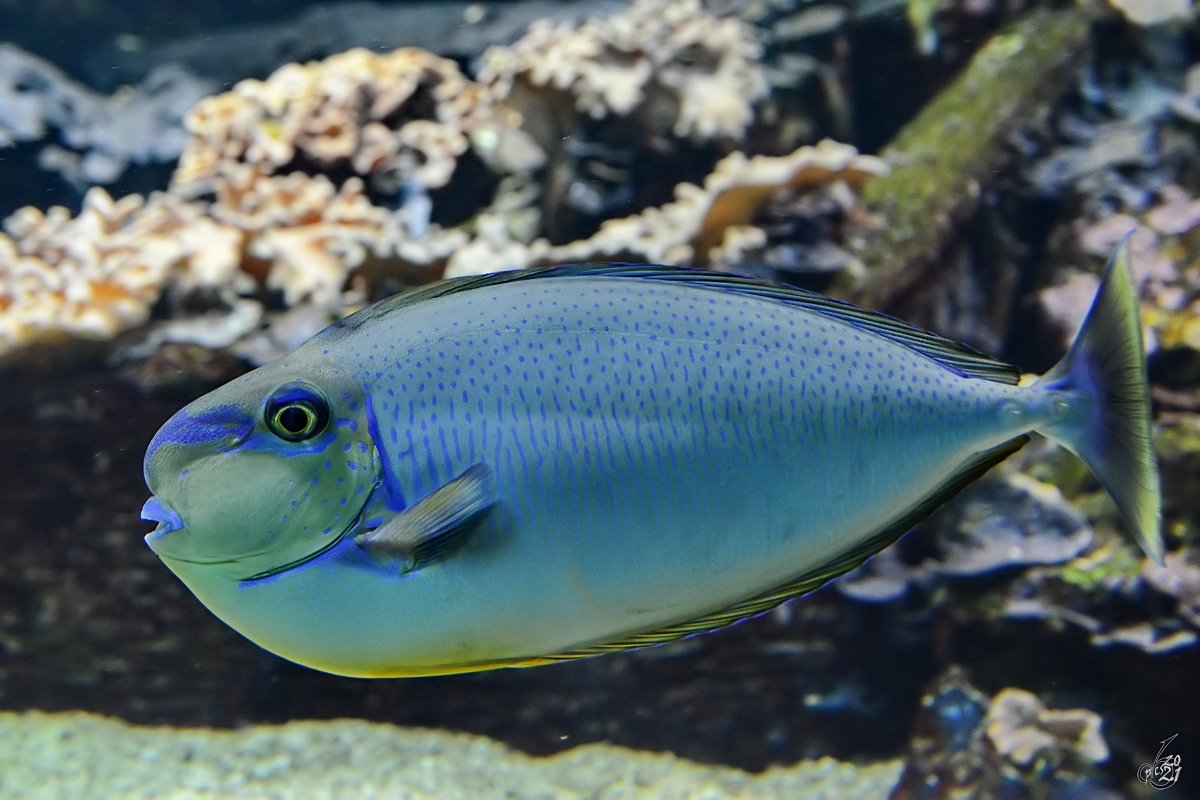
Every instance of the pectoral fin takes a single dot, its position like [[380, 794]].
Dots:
[[436, 524]]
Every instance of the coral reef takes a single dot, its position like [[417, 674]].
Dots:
[[98, 273], [334, 114], [72, 755], [103, 134], [291, 184]]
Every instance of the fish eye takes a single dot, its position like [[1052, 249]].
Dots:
[[296, 413]]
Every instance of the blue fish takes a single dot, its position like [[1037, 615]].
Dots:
[[522, 468]]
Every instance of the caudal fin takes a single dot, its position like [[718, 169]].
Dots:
[[1108, 426]]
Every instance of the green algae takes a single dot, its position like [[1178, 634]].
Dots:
[[1113, 564], [1177, 440], [1181, 439], [945, 156]]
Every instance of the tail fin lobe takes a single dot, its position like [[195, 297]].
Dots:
[[1104, 375]]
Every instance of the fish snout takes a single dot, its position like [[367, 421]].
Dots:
[[189, 433]]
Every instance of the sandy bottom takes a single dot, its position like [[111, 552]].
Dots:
[[81, 755]]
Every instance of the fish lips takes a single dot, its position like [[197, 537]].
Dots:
[[167, 518]]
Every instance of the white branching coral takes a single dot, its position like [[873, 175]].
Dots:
[[672, 52], [398, 118], [98, 273]]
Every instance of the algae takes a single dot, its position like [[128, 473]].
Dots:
[[1112, 564], [945, 156], [76, 755]]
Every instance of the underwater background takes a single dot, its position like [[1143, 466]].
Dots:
[[190, 190]]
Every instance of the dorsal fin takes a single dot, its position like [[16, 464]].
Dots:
[[954, 356]]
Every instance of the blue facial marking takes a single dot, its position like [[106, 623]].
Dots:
[[212, 425], [274, 444], [393, 495]]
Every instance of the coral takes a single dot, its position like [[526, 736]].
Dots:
[[697, 222], [352, 169], [1178, 577], [1104, 593], [104, 134], [98, 273], [684, 231], [965, 745], [695, 71], [59, 755], [400, 119], [1111, 591], [1024, 731], [1115, 144]]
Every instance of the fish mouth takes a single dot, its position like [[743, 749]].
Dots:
[[169, 521], [167, 518]]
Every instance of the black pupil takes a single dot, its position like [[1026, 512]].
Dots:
[[294, 419]]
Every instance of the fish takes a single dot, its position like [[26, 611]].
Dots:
[[529, 467]]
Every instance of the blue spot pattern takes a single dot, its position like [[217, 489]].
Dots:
[[605, 401]]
